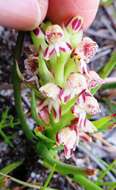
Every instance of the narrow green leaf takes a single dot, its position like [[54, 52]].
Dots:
[[66, 107], [34, 112], [105, 122], [69, 68], [49, 178], [23, 183], [109, 168], [44, 138], [9, 168], [86, 183], [109, 66], [106, 70], [44, 73]]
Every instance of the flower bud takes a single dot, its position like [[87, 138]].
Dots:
[[38, 38], [74, 24]]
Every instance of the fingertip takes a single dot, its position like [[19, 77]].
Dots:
[[22, 15], [59, 11]]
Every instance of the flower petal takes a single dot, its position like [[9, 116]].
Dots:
[[50, 90]]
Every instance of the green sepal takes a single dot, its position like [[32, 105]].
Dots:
[[34, 112], [44, 138], [45, 25], [69, 68], [59, 68], [67, 107], [76, 38], [20, 75], [38, 41], [44, 74]]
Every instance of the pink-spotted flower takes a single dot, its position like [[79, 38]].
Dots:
[[56, 42], [75, 84], [80, 61], [71, 135], [84, 129], [51, 93], [93, 79], [86, 104], [89, 48], [83, 54], [69, 138]]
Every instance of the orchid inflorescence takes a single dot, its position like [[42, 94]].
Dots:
[[58, 67]]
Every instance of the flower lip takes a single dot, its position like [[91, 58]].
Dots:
[[54, 33], [50, 90]]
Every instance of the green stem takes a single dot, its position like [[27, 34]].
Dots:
[[34, 112], [109, 66], [66, 169], [59, 68], [86, 183], [44, 73], [6, 139], [61, 167], [17, 88], [23, 183]]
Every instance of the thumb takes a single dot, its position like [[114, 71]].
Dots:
[[24, 14], [61, 10]]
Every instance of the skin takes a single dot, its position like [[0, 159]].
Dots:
[[27, 14]]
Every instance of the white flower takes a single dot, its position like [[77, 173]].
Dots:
[[88, 47], [50, 90], [86, 103], [68, 137], [93, 79], [76, 83], [83, 54], [56, 42]]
